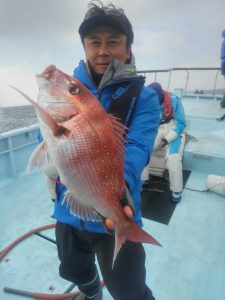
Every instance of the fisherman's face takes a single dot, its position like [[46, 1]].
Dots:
[[104, 43]]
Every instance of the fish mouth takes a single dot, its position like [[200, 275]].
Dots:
[[48, 76], [47, 72], [50, 96], [45, 97]]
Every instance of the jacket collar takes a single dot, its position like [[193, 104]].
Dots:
[[116, 71]]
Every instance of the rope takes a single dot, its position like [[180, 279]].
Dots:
[[31, 294]]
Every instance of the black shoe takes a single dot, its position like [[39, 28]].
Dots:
[[81, 296]]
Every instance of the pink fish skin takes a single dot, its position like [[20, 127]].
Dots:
[[86, 145]]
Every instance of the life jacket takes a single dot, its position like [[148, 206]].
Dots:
[[124, 100], [168, 111]]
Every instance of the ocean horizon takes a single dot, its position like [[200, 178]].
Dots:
[[14, 117]]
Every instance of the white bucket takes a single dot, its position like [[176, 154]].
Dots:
[[216, 184]]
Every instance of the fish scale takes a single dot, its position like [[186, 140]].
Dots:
[[89, 173]]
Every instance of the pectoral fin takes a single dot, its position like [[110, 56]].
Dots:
[[39, 157], [80, 211]]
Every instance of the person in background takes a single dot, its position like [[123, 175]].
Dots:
[[109, 73], [222, 57], [172, 125]]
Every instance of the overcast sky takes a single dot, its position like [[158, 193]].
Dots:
[[168, 33]]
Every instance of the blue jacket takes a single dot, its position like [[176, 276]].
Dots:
[[223, 55], [174, 136], [138, 149], [178, 114]]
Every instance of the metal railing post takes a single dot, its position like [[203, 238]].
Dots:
[[11, 157], [187, 79], [214, 88], [170, 70]]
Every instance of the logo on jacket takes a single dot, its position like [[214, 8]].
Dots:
[[119, 92]]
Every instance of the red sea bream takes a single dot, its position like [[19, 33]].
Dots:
[[86, 146]]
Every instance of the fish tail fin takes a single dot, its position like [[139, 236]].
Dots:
[[136, 234], [120, 239], [133, 233]]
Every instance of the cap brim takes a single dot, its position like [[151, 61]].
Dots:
[[110, 20]]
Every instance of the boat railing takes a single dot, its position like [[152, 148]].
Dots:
[[170, 71], [15, 148], [16, 145]]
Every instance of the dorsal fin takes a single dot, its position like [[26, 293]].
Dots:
[[120, 131]]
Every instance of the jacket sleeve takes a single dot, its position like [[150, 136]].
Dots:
[[179, 116], [141, 136]]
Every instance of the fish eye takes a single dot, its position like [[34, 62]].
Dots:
[[73, 89]]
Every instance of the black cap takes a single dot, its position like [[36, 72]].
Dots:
[[108, 15]]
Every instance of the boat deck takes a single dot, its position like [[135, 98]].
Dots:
[[189, 266]]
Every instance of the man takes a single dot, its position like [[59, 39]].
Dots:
[[222, 57], [172, 125], [110, 74]]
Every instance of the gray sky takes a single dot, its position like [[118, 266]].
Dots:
[[168, 33]]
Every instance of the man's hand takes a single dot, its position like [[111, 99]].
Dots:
[[128, 207], [164, 142], [161, 144], [127, 211]]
